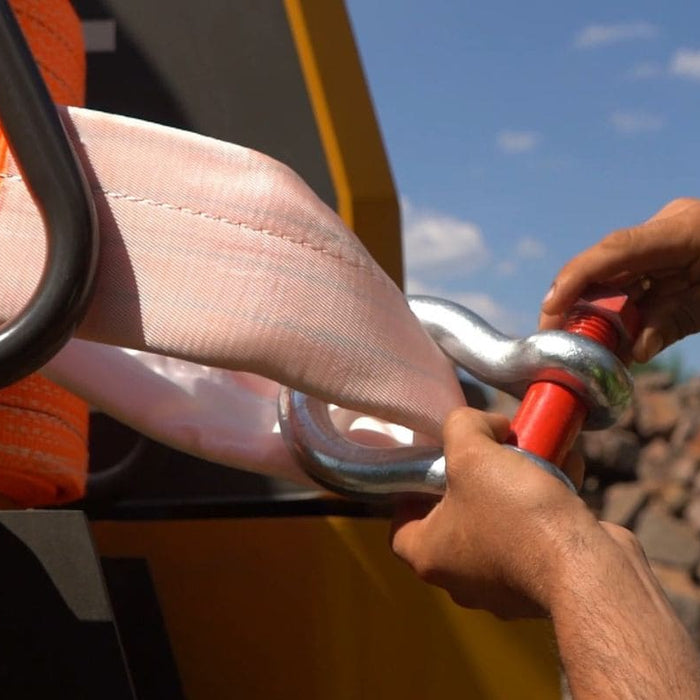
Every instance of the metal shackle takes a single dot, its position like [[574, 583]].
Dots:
[[368, 473], [511, 365]]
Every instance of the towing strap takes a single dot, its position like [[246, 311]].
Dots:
[[219, 255]]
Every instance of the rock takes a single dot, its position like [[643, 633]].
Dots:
[[689, 394], [627, 420], [684, 468], [623, 502], [657, 414], [674, 497], [692, 443], [685, 430], [683, 595], [652, 381], [667, 539], [691, 513], [613, 450], [654, 461]]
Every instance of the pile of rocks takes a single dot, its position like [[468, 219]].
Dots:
[[644, 474]]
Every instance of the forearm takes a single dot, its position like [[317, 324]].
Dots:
[[618, 637]]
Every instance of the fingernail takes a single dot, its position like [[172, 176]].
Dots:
[[549, 294], [650, 343]]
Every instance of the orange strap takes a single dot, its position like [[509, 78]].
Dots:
[[43, 428]]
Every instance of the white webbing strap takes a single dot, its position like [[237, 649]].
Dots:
[[219, 255]]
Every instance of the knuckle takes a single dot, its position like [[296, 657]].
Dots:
[[399, 546], [459, 423], [418, 558], [456, 419], [621, 238]]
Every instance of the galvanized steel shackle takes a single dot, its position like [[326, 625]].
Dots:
[[340, 465], [348, 468], [512, 364]]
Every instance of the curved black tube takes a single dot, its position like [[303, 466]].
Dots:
[[58, 186]]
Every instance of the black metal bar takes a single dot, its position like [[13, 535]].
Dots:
[[58, 186]]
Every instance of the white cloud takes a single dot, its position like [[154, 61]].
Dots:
[[506, 268], [530, 248], [527, 248], [415, 286], [517, 141], [482, 304], [488, 308], [595, 35], [630, 123], [436, 242], [686, 63], [644, 70]]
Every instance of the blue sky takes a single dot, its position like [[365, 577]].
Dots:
[[519, 133]]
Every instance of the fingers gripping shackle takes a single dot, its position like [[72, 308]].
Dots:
[[579, 362]]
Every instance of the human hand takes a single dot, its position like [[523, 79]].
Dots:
[[499, 537], [509, 538], [657, 263]]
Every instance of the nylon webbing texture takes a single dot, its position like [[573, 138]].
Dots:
[[216, 254], [43, 428]]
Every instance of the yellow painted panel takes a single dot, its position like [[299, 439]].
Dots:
[[348, 127], [319, 609]]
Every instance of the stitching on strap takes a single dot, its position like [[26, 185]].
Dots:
[[224, 220], [231, 222]]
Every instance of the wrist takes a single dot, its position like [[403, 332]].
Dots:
[[574, 545], [591, 563]]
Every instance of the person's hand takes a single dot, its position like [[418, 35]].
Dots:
[[498, 537], [510, 538], [657, 262]]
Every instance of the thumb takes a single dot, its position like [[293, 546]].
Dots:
[[464, 422]]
